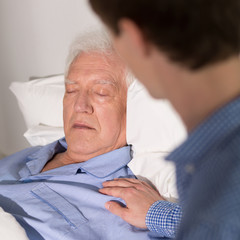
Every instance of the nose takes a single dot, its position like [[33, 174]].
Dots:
[[83, 104]]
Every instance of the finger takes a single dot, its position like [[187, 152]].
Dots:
[[132, 180], [113, 191], [134, 217], [124, 186], [129, 182], [116, 208], [121, 182]]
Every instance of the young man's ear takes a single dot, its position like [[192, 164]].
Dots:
[[133, 36]]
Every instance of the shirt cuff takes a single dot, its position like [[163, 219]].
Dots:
[[164, 217]]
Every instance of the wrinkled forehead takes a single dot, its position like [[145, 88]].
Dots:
[[108, 68]]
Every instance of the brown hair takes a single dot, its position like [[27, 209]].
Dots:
[[193, 33]]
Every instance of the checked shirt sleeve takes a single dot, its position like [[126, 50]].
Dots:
[[164, 217]]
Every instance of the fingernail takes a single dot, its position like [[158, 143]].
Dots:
[[107, 205]]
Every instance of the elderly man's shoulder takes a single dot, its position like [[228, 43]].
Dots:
[[13, 163]]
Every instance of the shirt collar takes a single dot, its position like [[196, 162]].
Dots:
[[108, 163], [36, 161], [208, 134], [100, 166]]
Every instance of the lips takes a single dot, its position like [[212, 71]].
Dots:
[[82, 126]]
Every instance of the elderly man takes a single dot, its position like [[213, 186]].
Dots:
[[53, 190]]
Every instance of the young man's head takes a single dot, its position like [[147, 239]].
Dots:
[[183, 50], [193, 33]]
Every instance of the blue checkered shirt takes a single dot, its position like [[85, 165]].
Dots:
[[164, 217], [208, 177]]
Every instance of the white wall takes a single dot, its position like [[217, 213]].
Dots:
[[35, 36]]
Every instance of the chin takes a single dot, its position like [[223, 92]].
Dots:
[[86, 148]]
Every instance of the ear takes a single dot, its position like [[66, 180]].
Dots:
[[134, 35]]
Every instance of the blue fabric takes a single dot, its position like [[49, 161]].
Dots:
[[64, 203], [164, 217], [208, 177]]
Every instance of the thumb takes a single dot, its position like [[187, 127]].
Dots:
[[116, 208]]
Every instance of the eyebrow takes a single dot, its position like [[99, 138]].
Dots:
[[100, 81], [103, 81], [67, 81]]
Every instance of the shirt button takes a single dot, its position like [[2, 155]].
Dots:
[[189, 168]]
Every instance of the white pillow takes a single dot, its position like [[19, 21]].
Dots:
[[40, 100], [41, 135], [9, 228], [153, 127]]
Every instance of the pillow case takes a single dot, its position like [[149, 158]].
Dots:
[[41, 135], [40, 100], [152, 125], [154, 129]]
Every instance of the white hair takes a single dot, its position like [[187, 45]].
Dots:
[[97, 41]]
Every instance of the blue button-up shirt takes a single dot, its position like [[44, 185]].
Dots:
[[208, 177], [64, 203]]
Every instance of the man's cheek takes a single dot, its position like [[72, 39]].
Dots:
[[66, 119]]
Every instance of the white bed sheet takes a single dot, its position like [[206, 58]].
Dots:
[[10, 229]]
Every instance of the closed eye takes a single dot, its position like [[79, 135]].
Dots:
[[101, 91], [102, 94], [70, 91]]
